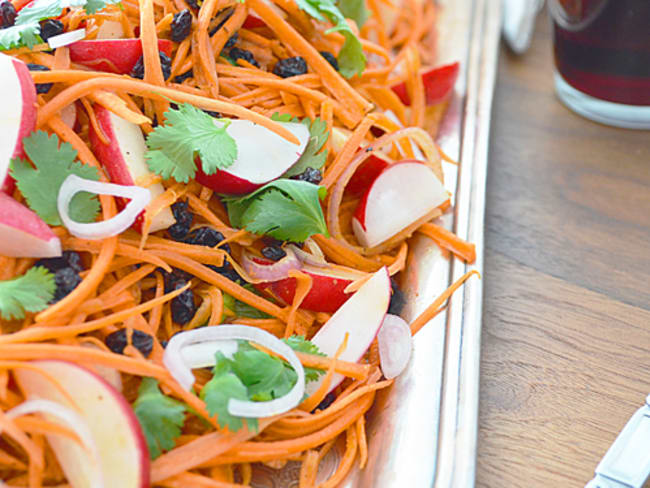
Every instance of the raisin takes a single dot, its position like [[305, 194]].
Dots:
[[331, 59], [310, 175], [206, 236], [66, 280], [232, 40], [164, 344], [51, 28], [176, 276], [289, 67], [327, 401], [181, 25], [7, 14], [40, 87], [184, 76], [117, 341], [274, 253], [193, 4], [397, 299], [184, 218], [165, 64], [69, 259], [227, 271], [219, 25], [216, 115], [237, 53], [183, 308]]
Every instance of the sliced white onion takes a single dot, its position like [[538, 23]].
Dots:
[[202, 354], [315, 256], [72, 420], [66, 38], [395, 345], [72, 185], [278, 270], [217, 335]]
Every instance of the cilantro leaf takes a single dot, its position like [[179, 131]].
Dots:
[[189, 132], [160, 417], [301, 344], [311, 156], [352, 60], [287, 210], [30, 292], [355, 10], [217, 392], [242, 309], [40, 185]]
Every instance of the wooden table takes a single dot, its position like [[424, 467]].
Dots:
[[566, 326]]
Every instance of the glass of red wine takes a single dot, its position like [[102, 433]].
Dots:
[[602, 59]]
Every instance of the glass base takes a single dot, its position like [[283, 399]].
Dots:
[[609, 113]]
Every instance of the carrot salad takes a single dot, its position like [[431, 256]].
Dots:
[[205, 210]]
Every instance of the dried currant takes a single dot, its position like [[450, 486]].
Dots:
[[331, 59], [69, 259], [397, 299], [51, 28], [227, 271], [7, 14], [310, 175], [232, 40], [118, 340], [289, 67], [238, 53], [274, 253], [182, 306], [40, 87], [181, 25], [206, 236], [184, 218], [184, 76], [165, 64], [66, 280]]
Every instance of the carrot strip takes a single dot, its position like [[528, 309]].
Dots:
[[450, 241]]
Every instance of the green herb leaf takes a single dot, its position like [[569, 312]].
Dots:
[[301, 344], [352, 60], [242, 309], [161, 417], [189, 132], [26, 29], [355, 10], [287, 210], [311, 157], [40, 186], [30, 292]]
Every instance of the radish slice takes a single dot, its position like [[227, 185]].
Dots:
[[72, 420], [66, 38], [395, 345], [221, 337], [273, 271], [72, 185]]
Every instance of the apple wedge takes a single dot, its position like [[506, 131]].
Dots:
[[110, 29], [361, 318], [123, 159], [123, 453], [402, 193], [24, 234], [112, 55], [262, 156], [438, 84], [18, 101], [327, 292]]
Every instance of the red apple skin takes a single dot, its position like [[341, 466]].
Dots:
[[366, 174], [224, 182], [28, 120], [134, 425], [112, 55], [438, 84]]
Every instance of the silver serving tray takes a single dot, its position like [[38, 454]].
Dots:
[[422, 431]]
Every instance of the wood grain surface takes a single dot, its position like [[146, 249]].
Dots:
[[566, 330]]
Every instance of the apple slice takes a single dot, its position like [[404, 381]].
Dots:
[[23, 233], [327, 292], [361, 318], [403, 193], [18, 102], [124, 457], [438, 84], [112, 55], [123, 159], [110, 29], [262, 156]]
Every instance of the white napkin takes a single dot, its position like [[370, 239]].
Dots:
[[519, 22]]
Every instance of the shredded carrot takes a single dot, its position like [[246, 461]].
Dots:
[[449, 241]]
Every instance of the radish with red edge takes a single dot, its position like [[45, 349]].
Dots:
[[366, 174], [402, 193], [395, 345], [438, 84], [328, 284], [123, 453], [360, 318], [18, 102], [262, 156], [123, 159], [112, 55], [23, 233]]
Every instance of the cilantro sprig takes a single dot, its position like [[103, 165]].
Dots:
[[288, 210], [26, 29], [189, 132], [160, 417], [30, 292], [251, 374], [352, 60], [52, 162], [355, 10], [312, 156]]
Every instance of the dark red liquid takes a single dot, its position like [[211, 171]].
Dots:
[[604, 51]]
